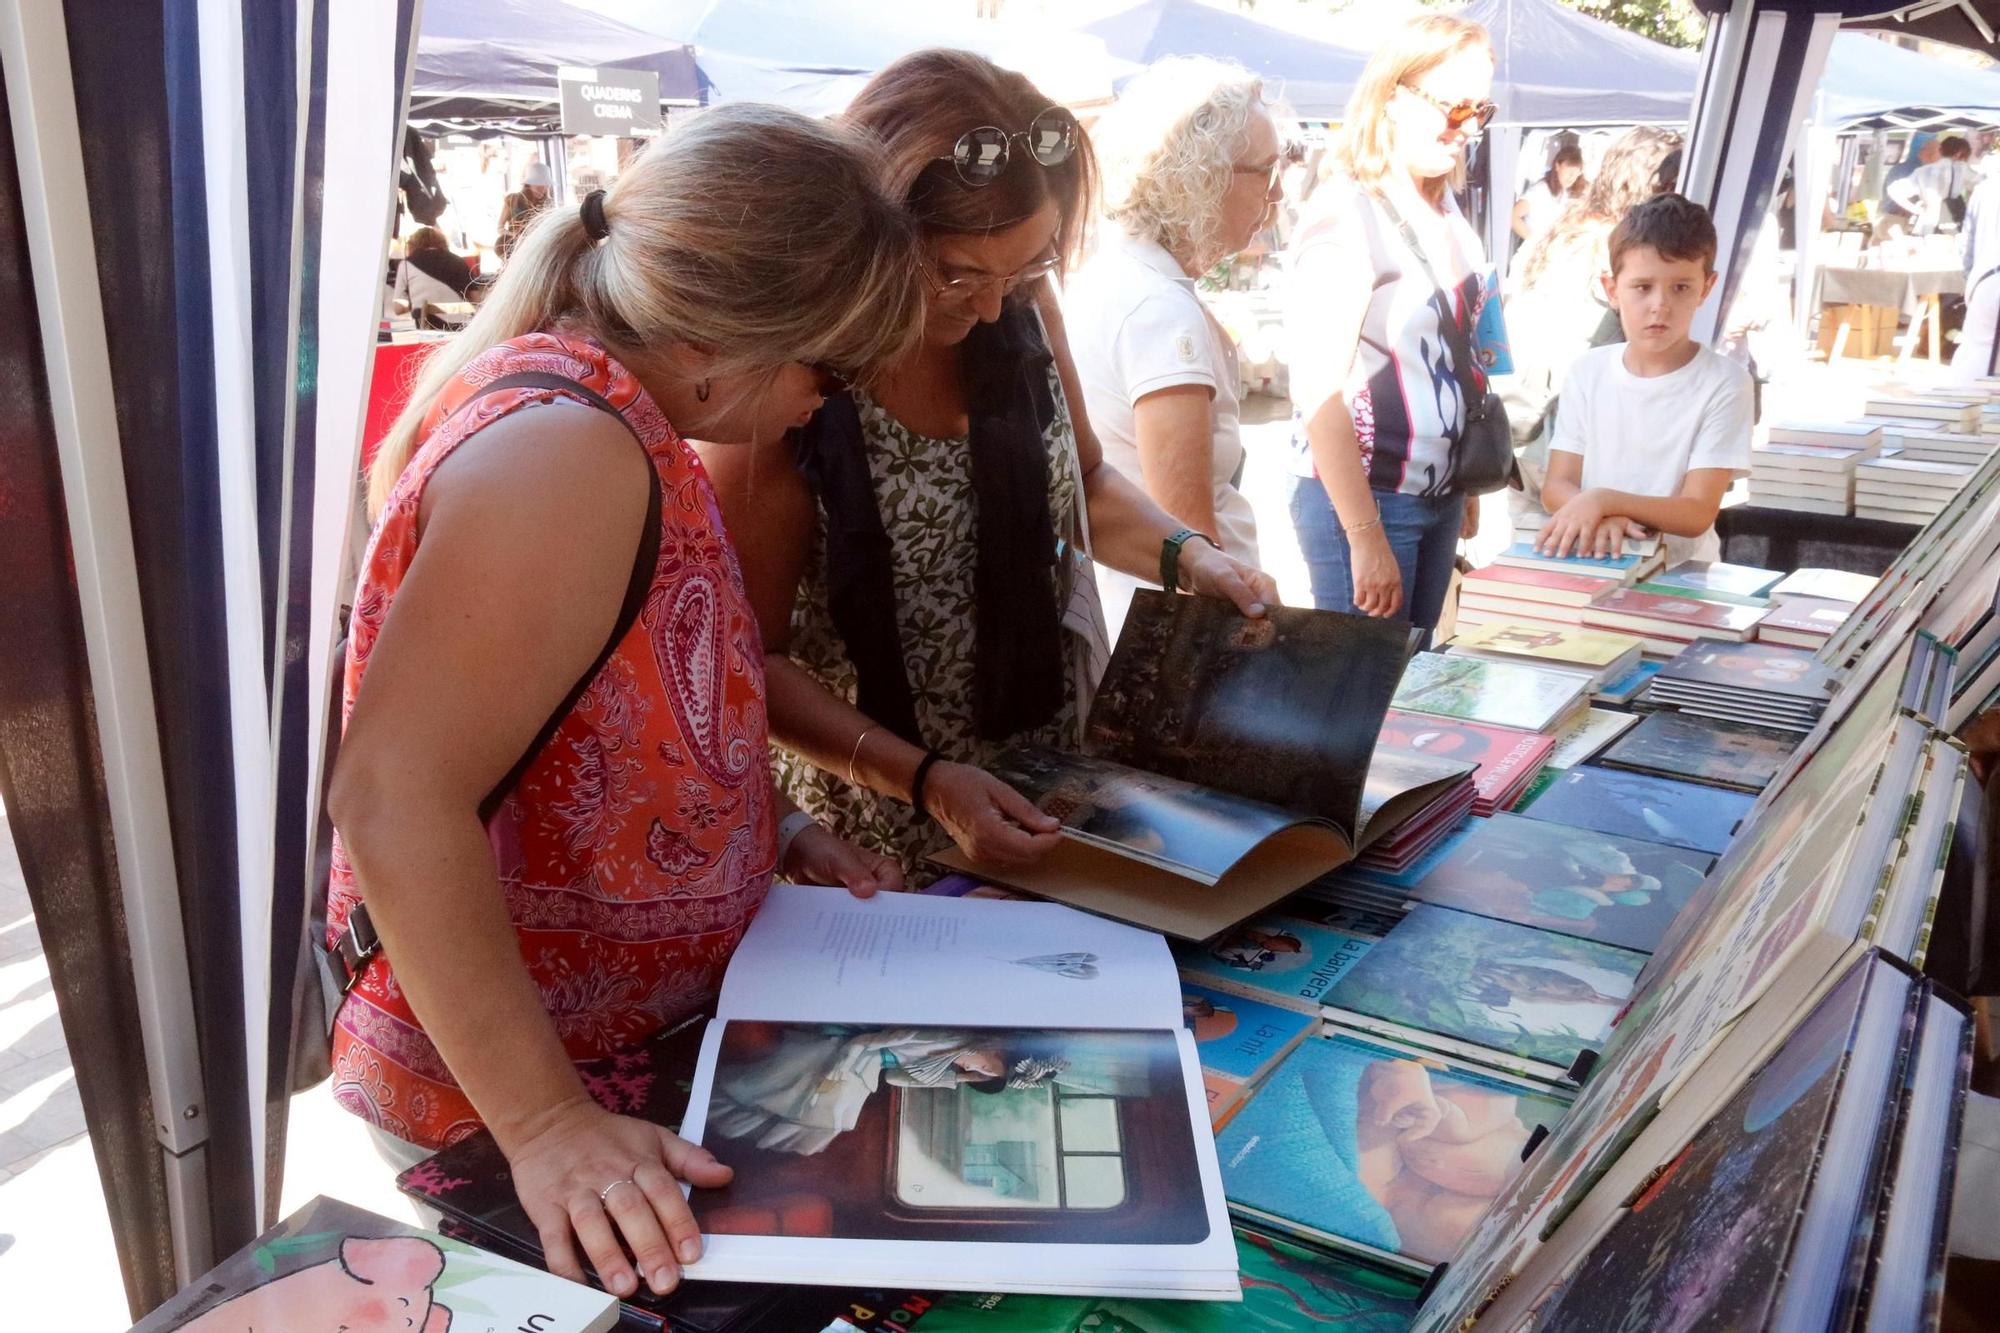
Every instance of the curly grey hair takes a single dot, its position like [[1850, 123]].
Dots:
[[1165, 151]]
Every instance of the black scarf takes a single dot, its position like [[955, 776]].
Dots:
[[1017, 645]]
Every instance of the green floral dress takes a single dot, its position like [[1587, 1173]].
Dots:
[[923, 489]]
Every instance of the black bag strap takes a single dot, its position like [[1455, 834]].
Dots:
[[358, 944], [1458, 336]]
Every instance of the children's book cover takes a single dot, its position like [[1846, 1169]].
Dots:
[[1500, 693], [1707, 1245], [1578, 882], [1286, 1286], [1503, 757], [1722, 754], [1237, 1036], [332, 1265], [1513, 989], [1363, 1142], [1281, 960], [1281, 709], [1639, 805], [1590, 649], [1713, 576]]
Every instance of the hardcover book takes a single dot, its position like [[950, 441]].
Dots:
[[1678, 617], [1278, 960], [1597, 886], [1227, 763], [332, 1265], [1530, 698], [1534, 585], [1376, 1148], [1751, 669], [1239, 1041], [1617, 568], [1594, 652], [1721, 754], [1638, 805], [1589, 734], [1504, 759], [1509, 996], [1694, 578], [1834, 585]]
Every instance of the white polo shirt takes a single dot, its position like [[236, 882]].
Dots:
[[1137, 326]]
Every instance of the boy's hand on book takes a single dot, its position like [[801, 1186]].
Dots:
[[612, 1184], [990, 821], [817, 856], [1579, 527], [1208, 572], [1378, 579]]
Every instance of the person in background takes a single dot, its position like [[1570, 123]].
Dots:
[[1979, 250], [1190, 160], [430, 273], [1543, 202], [520, 207], [1377, 404], [560, 828], [1557, 308], [1652, 431], [1921, 151], [1934, 194], [913, 554]]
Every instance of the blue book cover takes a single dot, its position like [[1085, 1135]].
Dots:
[[1278, 959], [1355, 1142], [1637, 805], [1489, 332], [1622, 564], [1237, 1036], [1627, 686]]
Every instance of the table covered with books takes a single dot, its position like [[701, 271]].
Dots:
[[1401, 982]]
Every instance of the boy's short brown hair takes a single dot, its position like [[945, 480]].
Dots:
[[1674, 225]]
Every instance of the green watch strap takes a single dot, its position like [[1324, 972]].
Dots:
[[1170, 556]]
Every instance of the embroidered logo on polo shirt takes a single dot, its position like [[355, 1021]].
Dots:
[[1184, 346]]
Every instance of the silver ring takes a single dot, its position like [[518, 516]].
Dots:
[[605, 1193]]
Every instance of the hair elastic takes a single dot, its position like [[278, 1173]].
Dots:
[[595, 225]]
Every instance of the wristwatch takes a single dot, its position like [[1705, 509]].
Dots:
[[1170, 556]]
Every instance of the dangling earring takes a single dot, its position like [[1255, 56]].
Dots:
[[701, 391]]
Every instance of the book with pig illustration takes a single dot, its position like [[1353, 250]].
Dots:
[[332, 1265], [959, 1094], [1228, 762]]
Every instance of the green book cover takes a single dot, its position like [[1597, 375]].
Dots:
[[1702, 594]]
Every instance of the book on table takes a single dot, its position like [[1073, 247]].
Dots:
[[1504, 759], [1533, 585], [1745, 585], [1626, 689], [1833, 585], [1278, 960], [1238, 1040], [957, 1093], [1704, 750], [1779, 458], [1228, 761], [1598, 886], [1597, 654], [1959, 414], [332, 1265], [1479, 609], [1500, 693], [1656, 615], [1584, 737], [1638, 805], [1803, 622], [1854, 435], [1625, 568]]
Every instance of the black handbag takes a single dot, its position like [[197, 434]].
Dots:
[[1482, 452]]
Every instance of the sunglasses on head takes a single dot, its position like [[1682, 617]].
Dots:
[[1457, 115], [982, 153]]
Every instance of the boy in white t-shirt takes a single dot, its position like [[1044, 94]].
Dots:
[[1650, 433]]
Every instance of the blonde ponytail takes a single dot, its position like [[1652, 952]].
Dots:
[[753, 232]]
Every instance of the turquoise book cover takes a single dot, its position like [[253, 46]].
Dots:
[[1280, 959], [1237, 1036]]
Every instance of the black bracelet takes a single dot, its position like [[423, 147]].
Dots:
[[1170, 556], [917, 782]]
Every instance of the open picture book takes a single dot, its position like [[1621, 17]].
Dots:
[[1227, 762], [957, 1093]]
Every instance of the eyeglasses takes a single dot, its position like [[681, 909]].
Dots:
[[1457, 115], [1271, 174], [828, 381], [965, 286], [982, 153]]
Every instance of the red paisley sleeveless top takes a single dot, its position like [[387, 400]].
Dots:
[[638, 840]]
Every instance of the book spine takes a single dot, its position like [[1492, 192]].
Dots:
[[1521, 1067]]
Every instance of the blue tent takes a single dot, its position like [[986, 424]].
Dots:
[[1865, 77], [1554, 66], [497, 59], [1314, 78]]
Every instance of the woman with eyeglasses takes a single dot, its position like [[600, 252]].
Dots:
[[1191, 161], [1383, 261], [553, 796], [914, 554]]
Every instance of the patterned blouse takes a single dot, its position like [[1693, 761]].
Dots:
[[923, 489], [638, 840]]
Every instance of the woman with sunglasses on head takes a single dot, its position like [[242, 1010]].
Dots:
[[1191, 162], [553, 795], [912, 555], [1379, 266]]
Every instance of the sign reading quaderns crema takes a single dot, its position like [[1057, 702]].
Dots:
[[617, 102]]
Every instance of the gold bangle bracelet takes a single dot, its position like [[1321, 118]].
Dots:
[[852, 781]]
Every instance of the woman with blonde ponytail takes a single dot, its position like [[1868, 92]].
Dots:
[[553, 798]]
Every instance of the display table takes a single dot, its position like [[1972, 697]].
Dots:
[[396, 366], [1792, 539], [1915, 292]]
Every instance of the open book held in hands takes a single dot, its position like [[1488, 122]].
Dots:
[[957, 1093], [1228, 763]]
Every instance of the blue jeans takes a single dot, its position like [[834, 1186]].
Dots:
[[1422, 532]]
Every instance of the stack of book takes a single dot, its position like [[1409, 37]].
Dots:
[[1803, 622], [1505, 760], [1810, 466], [1715, 581], [1828, 585], [1907, 490], [1535, 598], [1954, 412], [1923, 440], [1762, 684], [1667, 624], [1595, 654], [1641, 557]]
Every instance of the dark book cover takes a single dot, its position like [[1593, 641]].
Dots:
[[1756, 668], [1504, 988], [1638, 805], [1721, 754], [1712, 1242], [1581, 882], [1282, 709]]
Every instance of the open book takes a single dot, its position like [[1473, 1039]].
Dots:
[[956, 1093], [1229, 762]]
